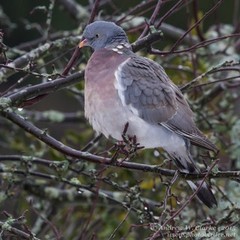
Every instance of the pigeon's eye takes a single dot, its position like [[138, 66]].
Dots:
[[97, 35]]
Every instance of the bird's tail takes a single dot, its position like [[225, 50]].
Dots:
[[185, 163], [204, 194]]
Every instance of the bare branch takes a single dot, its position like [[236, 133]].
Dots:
[[157, 233], [196, 24], [152, 19]]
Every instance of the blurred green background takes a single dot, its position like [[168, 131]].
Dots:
[[137, 202]]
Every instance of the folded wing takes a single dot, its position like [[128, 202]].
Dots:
[[144, 87]]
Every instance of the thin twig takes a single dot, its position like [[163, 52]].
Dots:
[[196, 24], [68, 151], [195, 46], [169, 12], [156, 234], [49, 19], [94, 11], [119, 225], [152, 19], [17, 232]]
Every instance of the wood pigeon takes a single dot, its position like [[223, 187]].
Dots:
[[124, 88]]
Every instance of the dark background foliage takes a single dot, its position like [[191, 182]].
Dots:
[[61, 181]]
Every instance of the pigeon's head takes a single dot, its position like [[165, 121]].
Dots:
[[102, 34]]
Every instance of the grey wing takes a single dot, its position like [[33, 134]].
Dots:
[[144, 87], [140, 88], [182, 124]]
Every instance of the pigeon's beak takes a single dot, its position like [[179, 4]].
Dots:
[[83, 43]]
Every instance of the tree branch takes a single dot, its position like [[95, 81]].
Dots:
[[152, 19], [6, 226], [19, 98], [196, 24], [76, 154], [36, 53], [158, 233]]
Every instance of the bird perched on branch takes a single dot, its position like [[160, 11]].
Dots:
[[123, 88]]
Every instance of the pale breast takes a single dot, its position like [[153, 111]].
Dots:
[[103, 107], [106, 113]]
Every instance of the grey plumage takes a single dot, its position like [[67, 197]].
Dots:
[[122, 87]]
